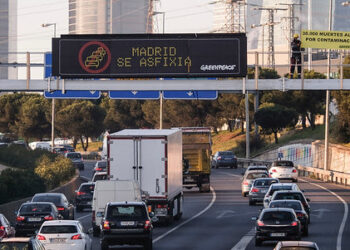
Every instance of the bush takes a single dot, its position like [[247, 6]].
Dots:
[[340, 131], [17, 183], [54, 172], [256, 143]]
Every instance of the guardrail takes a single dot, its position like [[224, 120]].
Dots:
[[244, 162]]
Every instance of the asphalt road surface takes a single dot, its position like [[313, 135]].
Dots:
[[221, 219]]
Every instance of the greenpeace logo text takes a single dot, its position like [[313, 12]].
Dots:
[[217, 67]]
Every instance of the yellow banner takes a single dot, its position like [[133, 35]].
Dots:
[[321, 39]]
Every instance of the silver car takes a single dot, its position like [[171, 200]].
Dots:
[[276, 187], [248, 179], [259, 188]]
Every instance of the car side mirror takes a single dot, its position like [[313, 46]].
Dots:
[[307, 199], [151, 214], [254, 218]]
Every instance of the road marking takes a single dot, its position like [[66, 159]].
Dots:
[[243, 243], [82, 217], [346, 211], [190, 219], [226, 214], [320, 212]]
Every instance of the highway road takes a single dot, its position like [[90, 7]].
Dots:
[[221, 219]]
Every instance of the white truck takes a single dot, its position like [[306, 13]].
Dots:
[[111, 191], [153, 158]]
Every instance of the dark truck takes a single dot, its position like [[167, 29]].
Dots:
[[196, 151]]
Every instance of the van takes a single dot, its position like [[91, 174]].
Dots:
[[40, 144], [111, 191]]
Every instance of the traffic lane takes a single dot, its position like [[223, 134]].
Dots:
[[224, 223], [88, 171], [326, 215]]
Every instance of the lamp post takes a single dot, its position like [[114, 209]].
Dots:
[[44, 25], [161, 92]]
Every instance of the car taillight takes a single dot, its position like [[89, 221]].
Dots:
[[300, 214], [60, 208], [260, 223], [2, 232], [219, 158], [40, 237], [245, 183], [80, 193], [148, 225], [20, 218], [274, 170], [49, 217], [106, 225], [162, 206], [254, 190], [98, 169], [294, 223], [76, 237], [294, 171]]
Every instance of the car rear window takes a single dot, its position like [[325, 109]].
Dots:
[[273, 190], [14, 246], [284, 163], [277, 215], [74, 156], [35, 208], [256, 175], [87, 188], [226, 153], [49, 198], [102, 164], [100, 177], [126, 212], [62, 229], [289, 196], [293, 205], [263, 183]]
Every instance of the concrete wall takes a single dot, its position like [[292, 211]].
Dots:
[[8, 209]]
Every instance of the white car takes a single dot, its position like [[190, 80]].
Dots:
[[283, 170], [64, 235]]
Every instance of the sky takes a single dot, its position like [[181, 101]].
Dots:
[[187, 16]]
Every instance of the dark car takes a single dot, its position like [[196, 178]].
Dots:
[[259, 189], [6, 230], [83, 198], [21, 243], [31, 215], [68, 148], [302, 215], [63, 206], [126, 223], [224, 159], [59, 150], [293, 195], [76, 159], [100, 166], [277, 224], [296, 245]]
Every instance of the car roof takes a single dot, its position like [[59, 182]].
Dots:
[[282, 184], [100, 173], [16, 239], [126, 203], [288, 191], [38, 202], [87, 183], [257, 166], [286, 201], [256, 172], [298, 243], [61, 222], [49, 194], [266, 178], [277, 209]]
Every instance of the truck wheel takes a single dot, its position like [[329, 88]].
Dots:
[[96, 231]]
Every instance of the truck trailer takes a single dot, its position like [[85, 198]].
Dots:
[[153, 158]]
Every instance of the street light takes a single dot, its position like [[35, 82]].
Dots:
[[44, 25]]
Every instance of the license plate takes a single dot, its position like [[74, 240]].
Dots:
[[57, 240], [278, 234], [34, 219], [127, 223]]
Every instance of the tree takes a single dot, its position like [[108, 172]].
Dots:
[[231, 108], [273, 118], [81, 119]]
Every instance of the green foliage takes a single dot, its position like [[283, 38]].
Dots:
[[264, 73], [20, 157], [54, 172], [256, 143], [273, 118], [16, 184]]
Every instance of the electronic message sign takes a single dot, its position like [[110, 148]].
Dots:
[[150, 55]]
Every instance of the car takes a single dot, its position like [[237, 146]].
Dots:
[[68, 148], [6, 230], [293, 195], [283, 170], [31, 215], [259, 188], [29, 243], [224, 159], [76, 159], [248, 179], [100, 166], [257, 167], [276, 224], [126, 223], [83, 196], [276, 187], [296, 245], [59, 150], [297, 206], [64, 234], [60, 200], [99, 176]]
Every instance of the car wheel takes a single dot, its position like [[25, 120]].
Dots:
[[251, 203], [257, 242], [306, 231]]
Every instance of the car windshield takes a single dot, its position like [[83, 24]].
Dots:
[[102, 164], [35, 208], [284, 163], [289, 196], [87, 188], [126, 212], [264, 183], [14, 246], [74, 156], [226, 153], [277, 216], [54, 229], [293, 205], [47, 198], [257, 168], [256, 175]]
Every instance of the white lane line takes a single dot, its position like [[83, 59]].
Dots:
[[190, 219], [82, 217], [345, 216], [243, 243]]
